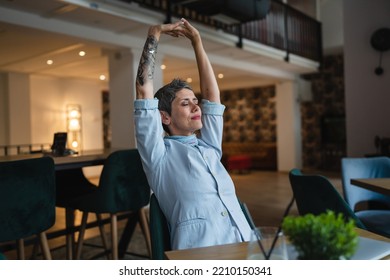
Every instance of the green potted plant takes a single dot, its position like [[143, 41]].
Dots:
[[323, 237]]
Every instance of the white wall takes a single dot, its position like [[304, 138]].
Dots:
[[48, 115], [89, 95], [367, 95], [49, 97], [19, 108]]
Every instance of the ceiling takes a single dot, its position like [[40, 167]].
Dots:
[[31, 32]]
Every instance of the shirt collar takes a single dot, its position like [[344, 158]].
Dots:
[[189, 140]]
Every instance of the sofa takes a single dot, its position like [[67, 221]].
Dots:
[[262, 154]]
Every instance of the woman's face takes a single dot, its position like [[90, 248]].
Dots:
[[185, 116]]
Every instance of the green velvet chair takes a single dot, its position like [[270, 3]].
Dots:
[[315, 194], [71, 184], [123, 188], [159, 228], [372, 208], [27, 199]]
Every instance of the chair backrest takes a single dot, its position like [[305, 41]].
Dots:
[[159, 228], [27, 197], [122, 186], [372, 167], [316, 194]]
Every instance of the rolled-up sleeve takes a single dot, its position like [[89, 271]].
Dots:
[[149, 132], [212, 119]]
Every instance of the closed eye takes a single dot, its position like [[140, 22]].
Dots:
[[186, 102]]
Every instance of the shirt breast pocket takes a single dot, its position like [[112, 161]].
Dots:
[[191, 233]]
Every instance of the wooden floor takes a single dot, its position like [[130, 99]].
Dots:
[[266, 194]]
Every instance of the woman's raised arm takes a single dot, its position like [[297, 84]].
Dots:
[[208, 83], [145, 73]]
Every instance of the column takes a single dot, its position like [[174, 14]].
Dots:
[[122, 92], [289, 139], [123, 68]]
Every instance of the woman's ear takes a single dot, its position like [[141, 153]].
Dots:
[[165, 118]]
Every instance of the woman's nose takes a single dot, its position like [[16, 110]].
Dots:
[[195, 107]]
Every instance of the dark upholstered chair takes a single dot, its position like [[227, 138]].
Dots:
[[372, 208], [159, 228], [123, 187], [315, 194], [27, 199], [71, 183], [159, 231]]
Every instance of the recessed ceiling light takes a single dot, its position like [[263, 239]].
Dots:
[[189, 80], [102, 77], [49, 62], [82, 53], [220, 75], [163, 66]]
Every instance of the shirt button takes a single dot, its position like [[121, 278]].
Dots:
[[224, 213]]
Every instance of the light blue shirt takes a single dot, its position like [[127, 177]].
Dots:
[[193, 188]]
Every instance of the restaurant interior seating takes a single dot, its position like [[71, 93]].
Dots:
[[159, 228], [372, 208], [123, 187], [27, 199], [263, 155], [70, 184], [315, 194]]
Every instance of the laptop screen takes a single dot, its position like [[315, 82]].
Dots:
[[59, 143]]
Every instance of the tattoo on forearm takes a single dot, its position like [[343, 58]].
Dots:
[[147, 62]]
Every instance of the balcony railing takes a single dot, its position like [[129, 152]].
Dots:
[[283, 28], [8, 150]]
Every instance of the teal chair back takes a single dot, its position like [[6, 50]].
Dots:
[[315, 194], [159, 228], [374, 167], [122, 187], [27, 198]]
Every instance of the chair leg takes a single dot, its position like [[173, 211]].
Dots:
[[128, 231], [69, 221], [80, 240], [103, 235], [114, 237], [145, 229], [35, 249], [20, 251], [44, 246]]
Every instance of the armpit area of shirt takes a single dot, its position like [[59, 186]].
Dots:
[[145, 104], [212, 108]]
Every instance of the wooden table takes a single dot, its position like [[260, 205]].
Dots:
[[237, 251], [380, 185]]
